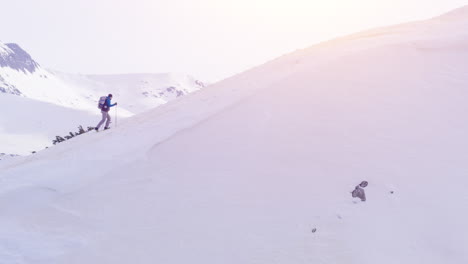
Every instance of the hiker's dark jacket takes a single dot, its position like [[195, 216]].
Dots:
[[107, 105]]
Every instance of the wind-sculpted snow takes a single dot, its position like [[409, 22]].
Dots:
[[259, 168]]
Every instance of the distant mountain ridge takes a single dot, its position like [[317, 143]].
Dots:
[[8, 88], [21, 75], [13, 56], [52, 103]]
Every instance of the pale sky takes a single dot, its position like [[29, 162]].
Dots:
[[209, 39]]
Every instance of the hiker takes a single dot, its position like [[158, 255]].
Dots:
[[359, 191], [105, 105]]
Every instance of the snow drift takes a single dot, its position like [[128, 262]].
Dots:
[[243, 171]]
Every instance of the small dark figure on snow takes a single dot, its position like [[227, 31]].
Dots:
[[105, 107], [359, 191]]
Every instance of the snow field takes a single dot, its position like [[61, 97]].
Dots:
[[242, 171]]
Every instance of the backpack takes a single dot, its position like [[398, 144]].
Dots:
[[102, 101]]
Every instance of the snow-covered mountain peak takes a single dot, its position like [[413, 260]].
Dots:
[[4, 50], [13, 56]]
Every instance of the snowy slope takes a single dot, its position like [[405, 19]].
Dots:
[[242, 171], [74, 98], [32, 124]]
